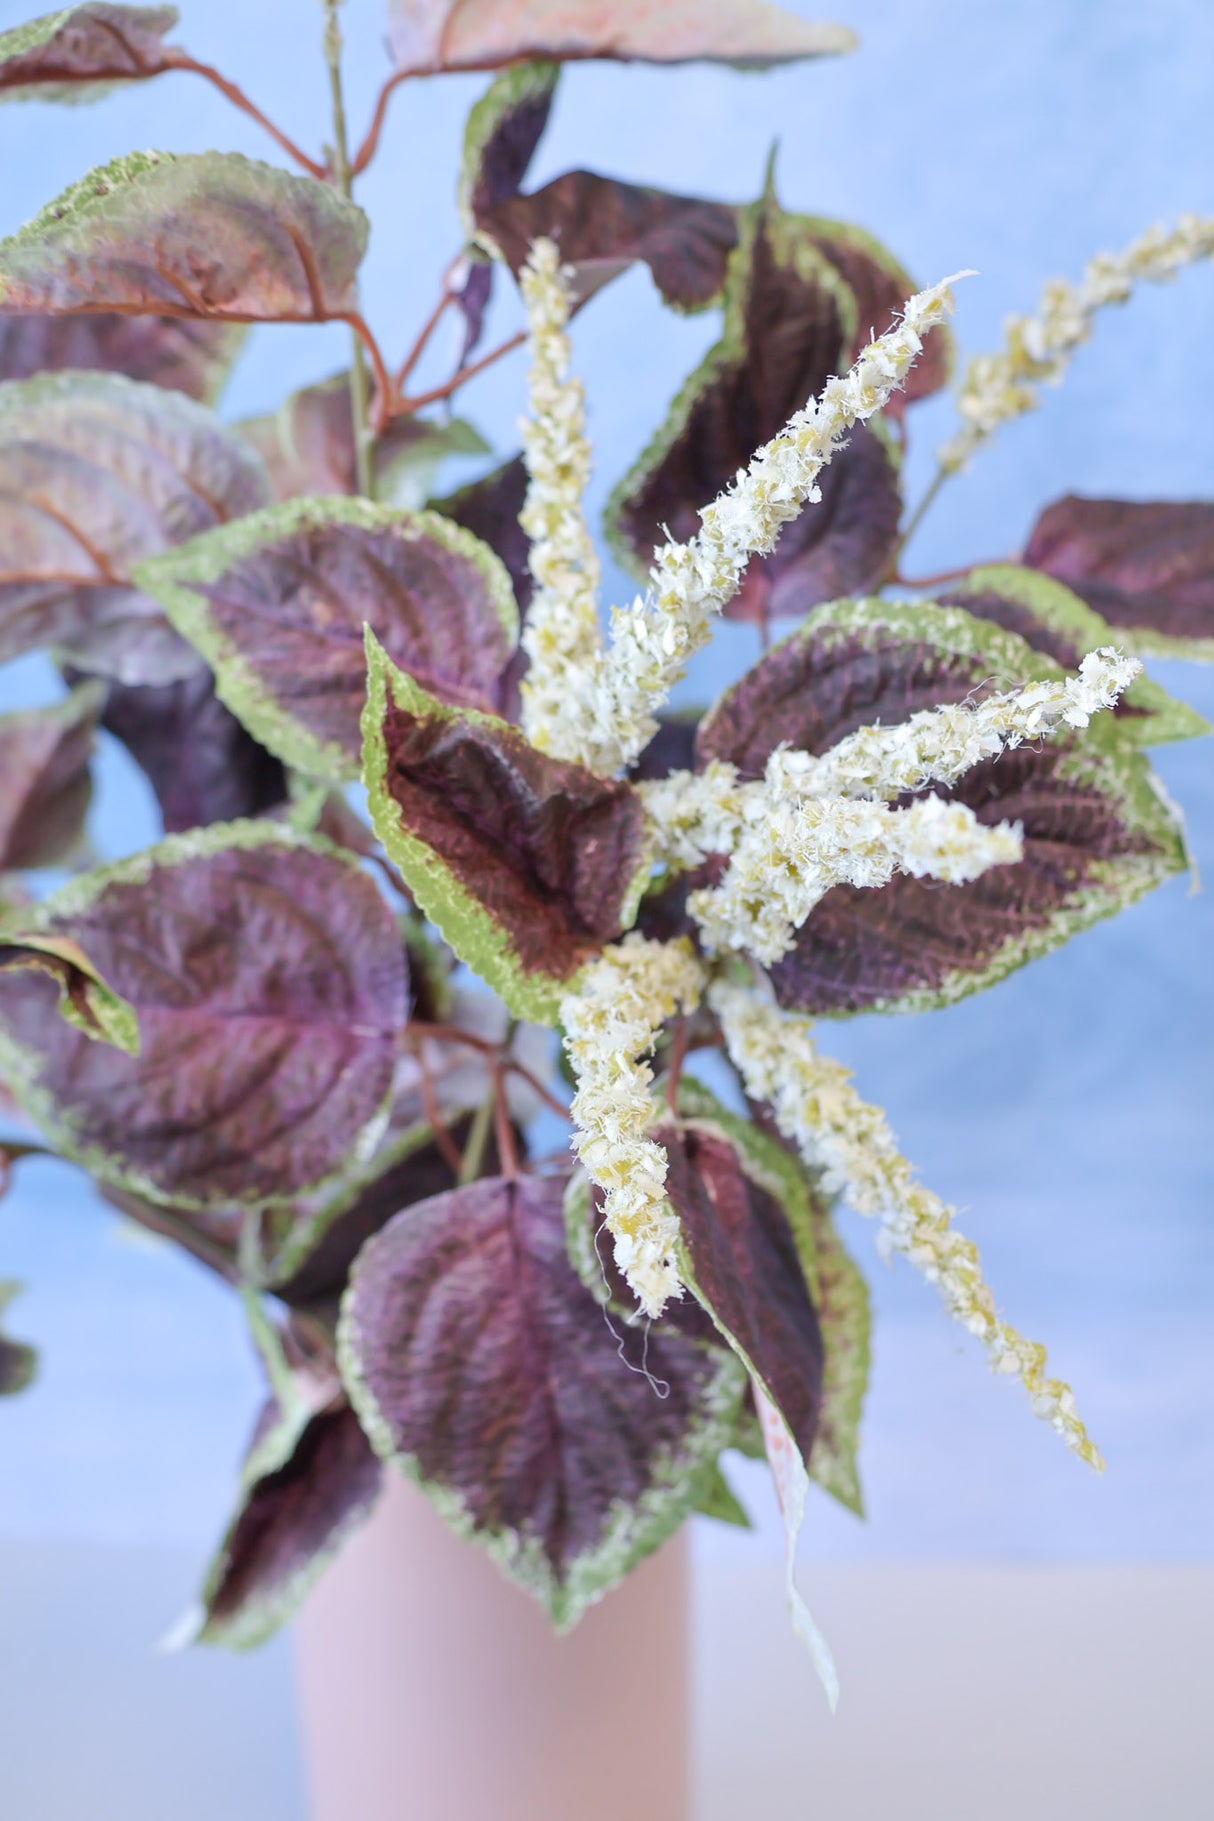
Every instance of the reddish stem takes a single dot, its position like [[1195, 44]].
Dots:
[[503, 1131], [419, 347], [449, 1033], [181, 60], [383, 408], [409, 405], [438, 1125], [945, 575], [370, 144]]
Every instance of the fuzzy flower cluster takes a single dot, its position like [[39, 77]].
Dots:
[[999, 387], [611, 1024], [603, 705], [816, 1107], [561, 634]]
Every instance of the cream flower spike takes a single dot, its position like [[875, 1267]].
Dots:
[[624, 997], [999, 387], [604, 716], [561, 633], [816, 1107]]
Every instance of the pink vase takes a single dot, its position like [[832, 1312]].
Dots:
[[432, 1689]]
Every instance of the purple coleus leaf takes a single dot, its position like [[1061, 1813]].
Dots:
[[603, 226], [789, 319], [311, 1479], [489, 508], [212, 235], [96, 473], [18, 1363], [481, 1366], [428, 35], [202, 764], [278, 605], [880, 286], [1052, 619], [1146, 565], [175, 352], [79, 51], [308, 446], [269, 982], [1097, 834], [527, 864], [45, 783]]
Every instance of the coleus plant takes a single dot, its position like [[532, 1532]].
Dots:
[[309, 1043]]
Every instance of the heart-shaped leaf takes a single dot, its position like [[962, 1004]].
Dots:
[[97, 472], [1146, 565], [298, 1507], [76, 53], [308, 447], [18, 1363], [202, 764], [789, 318], [603, 226], [44, 779], [269, 981], [212, 235], [485, 34], [278, 603], [482, 1367], [526, 863], [176, 352], [1097, 834], [1050, 618]]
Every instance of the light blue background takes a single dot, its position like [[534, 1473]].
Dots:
[[1067, 1112]]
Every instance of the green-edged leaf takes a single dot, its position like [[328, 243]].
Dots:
[[720, 1501], [44, 779], [837, 1289], [18, 1363], [269, 982], [880, 285], [277, 604], [306, 1493], [603, 226], [212, 234], [86, 1001], [1097, 833], [201, 763], [1050, 618], [430, 35], [500, 138], [176, 352], [308, 447], [77, 52], [489, 508], [527, 864], [482, 1368], [789, 319], [1146, 565], [96, 473]]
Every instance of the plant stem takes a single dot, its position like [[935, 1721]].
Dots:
[[364, 462], [921, 510], [408, 405], [426, 331], [478, 1138], [370, 144], [182, 61]]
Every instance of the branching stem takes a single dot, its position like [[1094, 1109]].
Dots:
[[361, 336], [370, 144], [181, 60], [405, 406]]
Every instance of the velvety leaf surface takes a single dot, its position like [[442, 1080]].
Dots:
[[746, 1271], [44, 779], [526, 863], [79, 51], [1096, 834], [484, 34], [202, 764], [481, 1366], [96, 473], [176, 352], [603, 226], [1146, 565], [501, 136], [293, 1518], [308, 447], [269, 981], [18, 1363], [278, 605], [789, 320], [489, 509], [212, 235], [1052, 619]]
